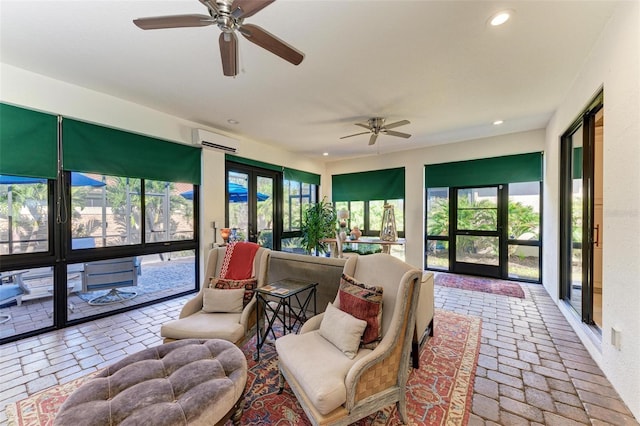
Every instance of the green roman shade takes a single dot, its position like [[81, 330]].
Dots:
[[253, 163], [28, 142], [385, 184], [577, 162], [301, 176], [486, 171], [97, 149]]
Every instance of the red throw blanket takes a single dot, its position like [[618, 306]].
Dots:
[[238, 261]]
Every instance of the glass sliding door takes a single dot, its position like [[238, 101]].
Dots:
[[477, 229], [251, 204], [574, 216], [581, 214]]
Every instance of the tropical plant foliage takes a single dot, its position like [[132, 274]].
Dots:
[[481, 215], [318, 222]]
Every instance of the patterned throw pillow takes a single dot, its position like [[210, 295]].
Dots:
[[363, 302], [249, 285]]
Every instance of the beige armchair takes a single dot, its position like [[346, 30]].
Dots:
[[331, 387], [236, 327]]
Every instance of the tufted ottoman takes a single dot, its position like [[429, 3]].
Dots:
[[195, 382]]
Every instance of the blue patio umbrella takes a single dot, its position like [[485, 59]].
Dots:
[[77, 179], [237, 194], [16, 180]]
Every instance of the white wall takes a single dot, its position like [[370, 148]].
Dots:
[[614, 64], [414, 162]]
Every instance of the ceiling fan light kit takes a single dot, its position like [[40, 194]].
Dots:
[[376, 126], [229, 16]]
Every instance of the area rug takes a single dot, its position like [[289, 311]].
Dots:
[[485, 285], [439, 393]]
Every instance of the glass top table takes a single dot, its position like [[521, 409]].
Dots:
[[275, 300]]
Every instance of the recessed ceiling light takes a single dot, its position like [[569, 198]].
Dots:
[[500, 18], [232, 121], [326, 154], [498, 122]]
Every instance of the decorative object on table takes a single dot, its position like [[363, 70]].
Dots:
[[356, 233], [318, 222], [343, 216], [224, 233], [388, 229]]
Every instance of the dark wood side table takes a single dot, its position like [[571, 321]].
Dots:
[[275, 301]]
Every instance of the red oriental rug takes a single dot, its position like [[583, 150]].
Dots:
[[439, 393], [486, 285]]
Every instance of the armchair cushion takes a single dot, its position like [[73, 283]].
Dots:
[[343, 330], [319, 367], [205, 325], [218, 300], [363, 302]]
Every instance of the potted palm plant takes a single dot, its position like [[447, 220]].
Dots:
[[318, 222]]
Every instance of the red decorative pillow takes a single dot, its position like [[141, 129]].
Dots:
[[249, 285], [363, 302]]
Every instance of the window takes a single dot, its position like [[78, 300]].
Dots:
[[122, 199], [106, 211], [296, 196], [364, 195], [437, 244], [24, 215], [524, 231], [299, 190]]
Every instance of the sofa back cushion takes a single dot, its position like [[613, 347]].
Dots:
[[326, 271]]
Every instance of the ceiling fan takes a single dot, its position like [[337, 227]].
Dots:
[[229, 16], [376, 125]]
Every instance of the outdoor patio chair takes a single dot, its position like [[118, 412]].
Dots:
[[110, 275], [12, 288]]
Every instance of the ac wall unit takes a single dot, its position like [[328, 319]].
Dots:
[[215, 141]]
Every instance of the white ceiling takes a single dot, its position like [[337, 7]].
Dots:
[[435, 63]]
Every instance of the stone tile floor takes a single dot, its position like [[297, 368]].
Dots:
[[532, 369]]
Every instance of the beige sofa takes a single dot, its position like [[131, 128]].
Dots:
[[424, 316]]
